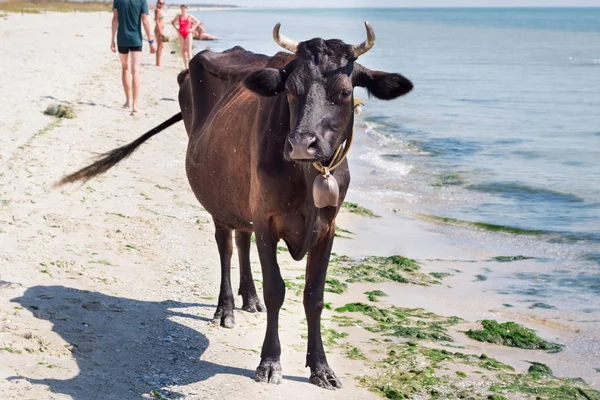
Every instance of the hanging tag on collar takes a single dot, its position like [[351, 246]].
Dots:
[[326, 191]]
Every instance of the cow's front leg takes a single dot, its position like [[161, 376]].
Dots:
[[269, 369], [224, 313], [247, 290], [316, 271]]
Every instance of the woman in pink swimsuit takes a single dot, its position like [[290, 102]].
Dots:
[[187, 23]]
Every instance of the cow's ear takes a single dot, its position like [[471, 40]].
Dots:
[[382, 85], [266, 82]]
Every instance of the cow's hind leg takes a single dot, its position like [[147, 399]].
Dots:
[[251, 302], [316, 271], [224, 313], [269, 369]]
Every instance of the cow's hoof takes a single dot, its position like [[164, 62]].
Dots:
[[224, 318], [269, 372], [325, 378], [253, 305]]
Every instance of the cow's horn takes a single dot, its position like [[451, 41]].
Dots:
[[367, 44], [284, 41]]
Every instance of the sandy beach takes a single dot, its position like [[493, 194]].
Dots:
[[107, 288]]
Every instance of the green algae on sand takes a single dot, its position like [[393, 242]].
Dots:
[[375, 294], [380, 269], [544, 387], [414, 371], [440, 275], [511, 334], [60, 111], [332, 285], [354, 353], [482, 225], [510, 258], [354, 208], [414, 323], [539, 369]]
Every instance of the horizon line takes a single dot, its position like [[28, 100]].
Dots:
[[396, 7]]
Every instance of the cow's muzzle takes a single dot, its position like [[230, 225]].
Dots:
[[302, 147]]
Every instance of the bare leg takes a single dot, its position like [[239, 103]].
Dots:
[[188, 46], [247, 290], [316, 271], [136, 56], [269, 369], [224, 313], [182, 48], [125, 79], [159, 45], [159, 48]]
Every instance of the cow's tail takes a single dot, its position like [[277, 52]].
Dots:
[[108, 160]]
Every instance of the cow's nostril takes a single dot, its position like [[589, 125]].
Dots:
[[302, 147], [312, 144]]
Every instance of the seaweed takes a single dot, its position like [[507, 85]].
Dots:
[[375, 294], [544, 387], [542, 305], [380, 269], [414, 323], [440, 275], [354, 353], [410, 370], [493, 364], [293, 286], [452, 179], [538, 369], [60, 111], [511, 334], [331, 336], [510, 258], [483, 225], [359, 210], [332, 285], [339, 230]]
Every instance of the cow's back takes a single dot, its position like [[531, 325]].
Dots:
[[220, 115]]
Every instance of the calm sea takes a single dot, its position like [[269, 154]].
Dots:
[[503, 125]]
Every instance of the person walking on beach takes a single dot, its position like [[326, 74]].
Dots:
[[187, 24], [128, 16], [159, 29]]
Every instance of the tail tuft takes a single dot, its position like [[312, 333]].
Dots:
[[108, 160]]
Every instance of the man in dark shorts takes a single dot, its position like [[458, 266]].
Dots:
[[128, 16]]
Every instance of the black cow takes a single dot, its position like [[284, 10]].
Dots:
[[262, 133]]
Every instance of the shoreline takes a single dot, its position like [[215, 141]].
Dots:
[[495, 288], [134, 251]]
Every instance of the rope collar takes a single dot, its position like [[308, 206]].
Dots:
[[334, 164], [346, 145]]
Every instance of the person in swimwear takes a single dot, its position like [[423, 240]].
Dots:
[[159, 29], [200, 33], [187, 24]]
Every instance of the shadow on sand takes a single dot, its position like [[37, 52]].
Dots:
[[124, 347]]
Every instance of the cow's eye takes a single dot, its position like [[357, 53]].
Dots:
[[345, 94]]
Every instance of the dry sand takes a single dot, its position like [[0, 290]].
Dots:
[[107, 288]]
